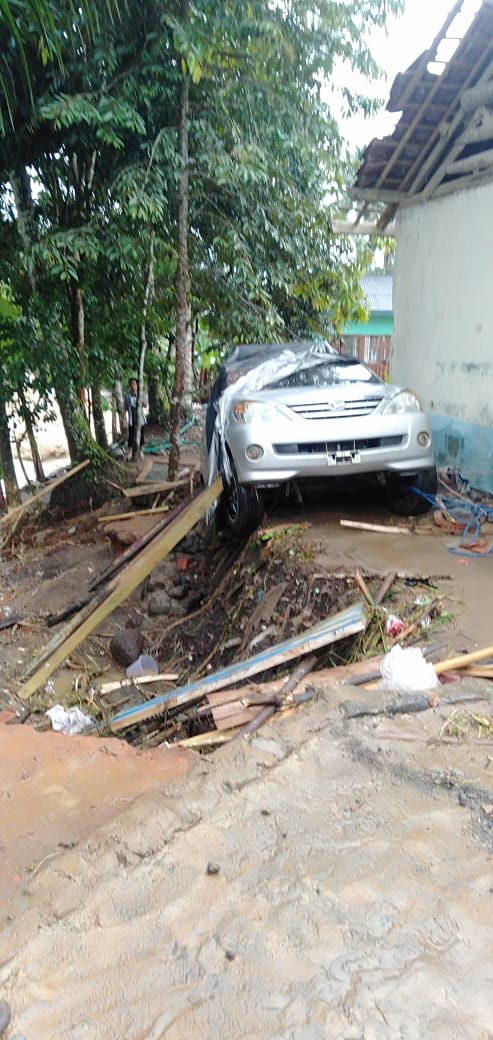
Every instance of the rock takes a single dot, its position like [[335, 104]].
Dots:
[[162, 576], [134, 620], [159, 603], [5, 1015], [192, 544], [126, 645], [178, 592]]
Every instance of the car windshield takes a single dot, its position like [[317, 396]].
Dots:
[[334, 372]]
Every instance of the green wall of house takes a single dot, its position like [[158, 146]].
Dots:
[[377, 325]]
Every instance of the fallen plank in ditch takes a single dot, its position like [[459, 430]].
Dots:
[[119, 590], [342, 625]]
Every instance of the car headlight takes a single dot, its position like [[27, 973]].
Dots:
[[404, 401], [254, 411]]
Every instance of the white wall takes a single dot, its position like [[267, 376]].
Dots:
[[443, 318]]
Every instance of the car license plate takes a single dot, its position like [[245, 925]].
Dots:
[[343, 458]]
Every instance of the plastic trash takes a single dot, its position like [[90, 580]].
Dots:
[[144, 665], [68, 721], [407, 671], [393, 625]]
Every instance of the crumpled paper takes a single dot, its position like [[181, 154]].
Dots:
[[68, 721]]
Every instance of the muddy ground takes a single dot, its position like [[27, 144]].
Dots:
[[331, 877]]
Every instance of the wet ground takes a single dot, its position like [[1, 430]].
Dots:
[[300, 887], [329, 878]]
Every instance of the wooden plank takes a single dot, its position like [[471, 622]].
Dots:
[[132, 513], [348, 622], [43, 491], [478, 671], [121, 587], [153, 489], [144, 472]]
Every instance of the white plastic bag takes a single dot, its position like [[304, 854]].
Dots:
[[407, 671], [68, 722]]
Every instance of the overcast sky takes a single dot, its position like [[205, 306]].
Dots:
[[406, 38]]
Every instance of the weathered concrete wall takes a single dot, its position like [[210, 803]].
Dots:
[[443, 329]]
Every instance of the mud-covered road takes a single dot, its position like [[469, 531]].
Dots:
[[301, 887], [326, 879]]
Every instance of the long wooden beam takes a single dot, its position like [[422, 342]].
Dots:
[[121, 588]]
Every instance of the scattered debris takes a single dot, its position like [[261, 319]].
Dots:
[[463, 723], [133, 574]]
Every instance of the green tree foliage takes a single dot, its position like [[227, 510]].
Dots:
[[143, 116]]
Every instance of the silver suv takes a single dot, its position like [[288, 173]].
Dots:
[[285, 413]]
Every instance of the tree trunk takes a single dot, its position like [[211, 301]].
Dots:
[[27, 419], [158, 413], [20, 182], [77, 432], [98, 416], [148, 292], [7, 460], [77, 325], [183, 309], [118, 415]]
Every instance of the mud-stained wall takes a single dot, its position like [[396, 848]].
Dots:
[[443, 330]]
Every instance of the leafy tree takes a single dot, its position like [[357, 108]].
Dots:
[[201, 128]]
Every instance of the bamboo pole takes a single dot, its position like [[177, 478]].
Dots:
[[378, 528], [121, 587], [385, 587], [363, 587], [463, 660]]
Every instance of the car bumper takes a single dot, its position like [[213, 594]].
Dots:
[[380, 444]]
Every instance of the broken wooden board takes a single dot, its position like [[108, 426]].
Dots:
[[346, 623], [120, 588]]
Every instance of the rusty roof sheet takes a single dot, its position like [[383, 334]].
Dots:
[[436, 141]]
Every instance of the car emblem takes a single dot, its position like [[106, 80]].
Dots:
[[336, 406]]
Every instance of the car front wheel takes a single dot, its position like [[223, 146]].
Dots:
[[242, 505], [410, 503]]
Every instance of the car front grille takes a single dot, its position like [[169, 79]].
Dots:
[[336, 409], [331, 447]]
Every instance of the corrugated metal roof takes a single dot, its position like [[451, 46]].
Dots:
[[444, 138], [378, 291]]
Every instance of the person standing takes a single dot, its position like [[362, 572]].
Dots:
[[130, 407]]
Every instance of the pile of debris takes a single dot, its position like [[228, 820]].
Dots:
[[239, 618]]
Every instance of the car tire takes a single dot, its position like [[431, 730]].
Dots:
[[242, 506], [408, 503]]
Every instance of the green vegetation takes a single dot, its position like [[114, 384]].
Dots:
[[168, 175]]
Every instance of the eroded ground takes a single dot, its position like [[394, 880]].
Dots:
[[327, 878]]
